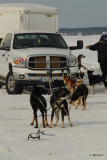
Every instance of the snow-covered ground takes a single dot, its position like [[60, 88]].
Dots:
[[85, 140]]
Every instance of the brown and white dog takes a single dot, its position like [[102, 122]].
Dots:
[[72, 87], [69, 83]]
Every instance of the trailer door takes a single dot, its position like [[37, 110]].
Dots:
[[43, 22], [9, 22]]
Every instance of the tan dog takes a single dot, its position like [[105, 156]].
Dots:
[[70, 84]]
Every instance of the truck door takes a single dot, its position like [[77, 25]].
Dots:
[[4, 55]]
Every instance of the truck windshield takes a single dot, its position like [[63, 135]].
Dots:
[[28, 40]]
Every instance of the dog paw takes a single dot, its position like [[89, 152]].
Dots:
[[31, 123], [76, 107], [62, 127], [36, 127], [69, 107], [83, 108]]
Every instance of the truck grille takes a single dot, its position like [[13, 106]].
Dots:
[[45, 62]]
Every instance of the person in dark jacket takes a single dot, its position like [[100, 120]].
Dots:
[[101, 47]]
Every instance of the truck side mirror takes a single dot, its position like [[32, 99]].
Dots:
[[79, 45]]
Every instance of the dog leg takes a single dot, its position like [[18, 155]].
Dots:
[[57, 117], [50, 125], [105, 90], [69, 120], [43, 121], [78, 102], [62, 124], [36, 124], [35, 115], [84, 102], [46, 121], [71, 104], [62, 114], [93, 89], [84, 107], [32, 123], [52, 115]]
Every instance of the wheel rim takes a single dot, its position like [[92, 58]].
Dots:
[[11, 83]]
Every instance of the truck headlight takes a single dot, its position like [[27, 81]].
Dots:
[[19, 61], [72, 61]]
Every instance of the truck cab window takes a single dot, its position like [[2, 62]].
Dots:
[[29, 40]]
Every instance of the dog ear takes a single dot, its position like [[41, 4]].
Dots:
[[82, 75], [76, 74]]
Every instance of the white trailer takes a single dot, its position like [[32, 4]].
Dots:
[[21, 16]]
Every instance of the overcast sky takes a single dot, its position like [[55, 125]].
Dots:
[[75, 13]]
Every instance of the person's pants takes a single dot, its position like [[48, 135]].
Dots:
[[104, 69]]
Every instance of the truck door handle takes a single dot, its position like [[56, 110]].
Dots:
[[3, 55]]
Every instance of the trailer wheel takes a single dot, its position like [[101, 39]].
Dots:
[[11, 86]]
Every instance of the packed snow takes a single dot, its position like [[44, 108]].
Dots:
[[85, 140]]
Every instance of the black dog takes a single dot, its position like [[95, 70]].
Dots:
[[58, 102], [38, 102], [93, 80], [81, 91]]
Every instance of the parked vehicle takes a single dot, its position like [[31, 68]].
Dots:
[[28, 56]]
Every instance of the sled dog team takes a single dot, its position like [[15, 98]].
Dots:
[[73, 90]]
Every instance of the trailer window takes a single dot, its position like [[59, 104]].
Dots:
[[7, 41], [28, 40]]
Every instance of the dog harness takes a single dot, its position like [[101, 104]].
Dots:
[[72, 83]]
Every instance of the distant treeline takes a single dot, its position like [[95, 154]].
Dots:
[[83, 31]]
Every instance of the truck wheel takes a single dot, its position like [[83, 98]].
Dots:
[[11, 86]]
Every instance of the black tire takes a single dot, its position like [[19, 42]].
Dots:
[[11, 86]]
